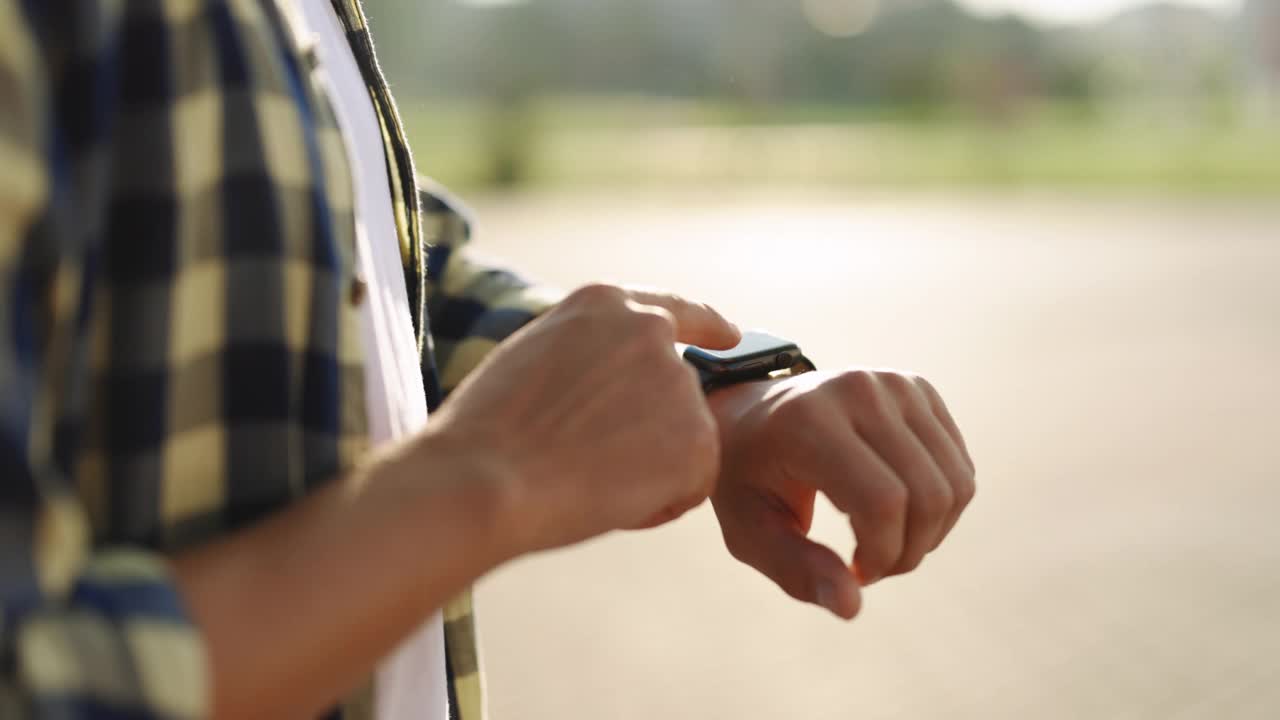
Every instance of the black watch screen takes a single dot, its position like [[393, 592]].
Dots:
[[756, 357]]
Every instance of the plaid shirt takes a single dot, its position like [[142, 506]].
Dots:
[[178, 346]]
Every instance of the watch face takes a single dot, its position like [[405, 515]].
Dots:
[[758, 351]]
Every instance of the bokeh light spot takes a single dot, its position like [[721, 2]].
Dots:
[[841, 18]]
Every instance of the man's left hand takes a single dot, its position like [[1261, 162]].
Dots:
[[881, 445]]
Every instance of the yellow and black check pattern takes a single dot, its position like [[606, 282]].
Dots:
[[178, 352]]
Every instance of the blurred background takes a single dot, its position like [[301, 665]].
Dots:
[[1062, 212], [882, 93]]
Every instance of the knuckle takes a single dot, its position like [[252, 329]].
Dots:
[[897, 383], [864, 391], [877, 560], [666, 298], [582, 320], [857, 384], [596, 294], [936, 502], [887, 504], [926, 387], [653, 326], [965, 491]]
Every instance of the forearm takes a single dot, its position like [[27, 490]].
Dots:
[[297, 611]]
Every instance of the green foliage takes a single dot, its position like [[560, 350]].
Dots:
[[767, 51], [615, 91], [757, 51], [594, 141]]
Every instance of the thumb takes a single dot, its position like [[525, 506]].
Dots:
[[696, 323], [805, 570]]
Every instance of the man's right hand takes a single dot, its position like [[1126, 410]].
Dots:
[[583, 422], [588, 419]]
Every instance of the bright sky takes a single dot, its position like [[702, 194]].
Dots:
[[1067, 11]]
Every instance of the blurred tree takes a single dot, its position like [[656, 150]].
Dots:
[[1260, 31], [917, 55]]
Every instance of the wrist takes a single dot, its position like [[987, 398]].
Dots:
[[728, 404]]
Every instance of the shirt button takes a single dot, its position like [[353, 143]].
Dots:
[[311, 55], [358, 291]]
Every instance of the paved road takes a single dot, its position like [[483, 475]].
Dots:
[[1115, 367]]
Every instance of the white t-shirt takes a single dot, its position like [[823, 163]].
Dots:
[[411, 684]]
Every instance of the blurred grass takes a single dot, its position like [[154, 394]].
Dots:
[[621, 141]]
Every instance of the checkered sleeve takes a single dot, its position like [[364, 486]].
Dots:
[[83, 633], [473, 304]]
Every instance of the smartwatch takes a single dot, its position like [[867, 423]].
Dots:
[[758, 356]]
